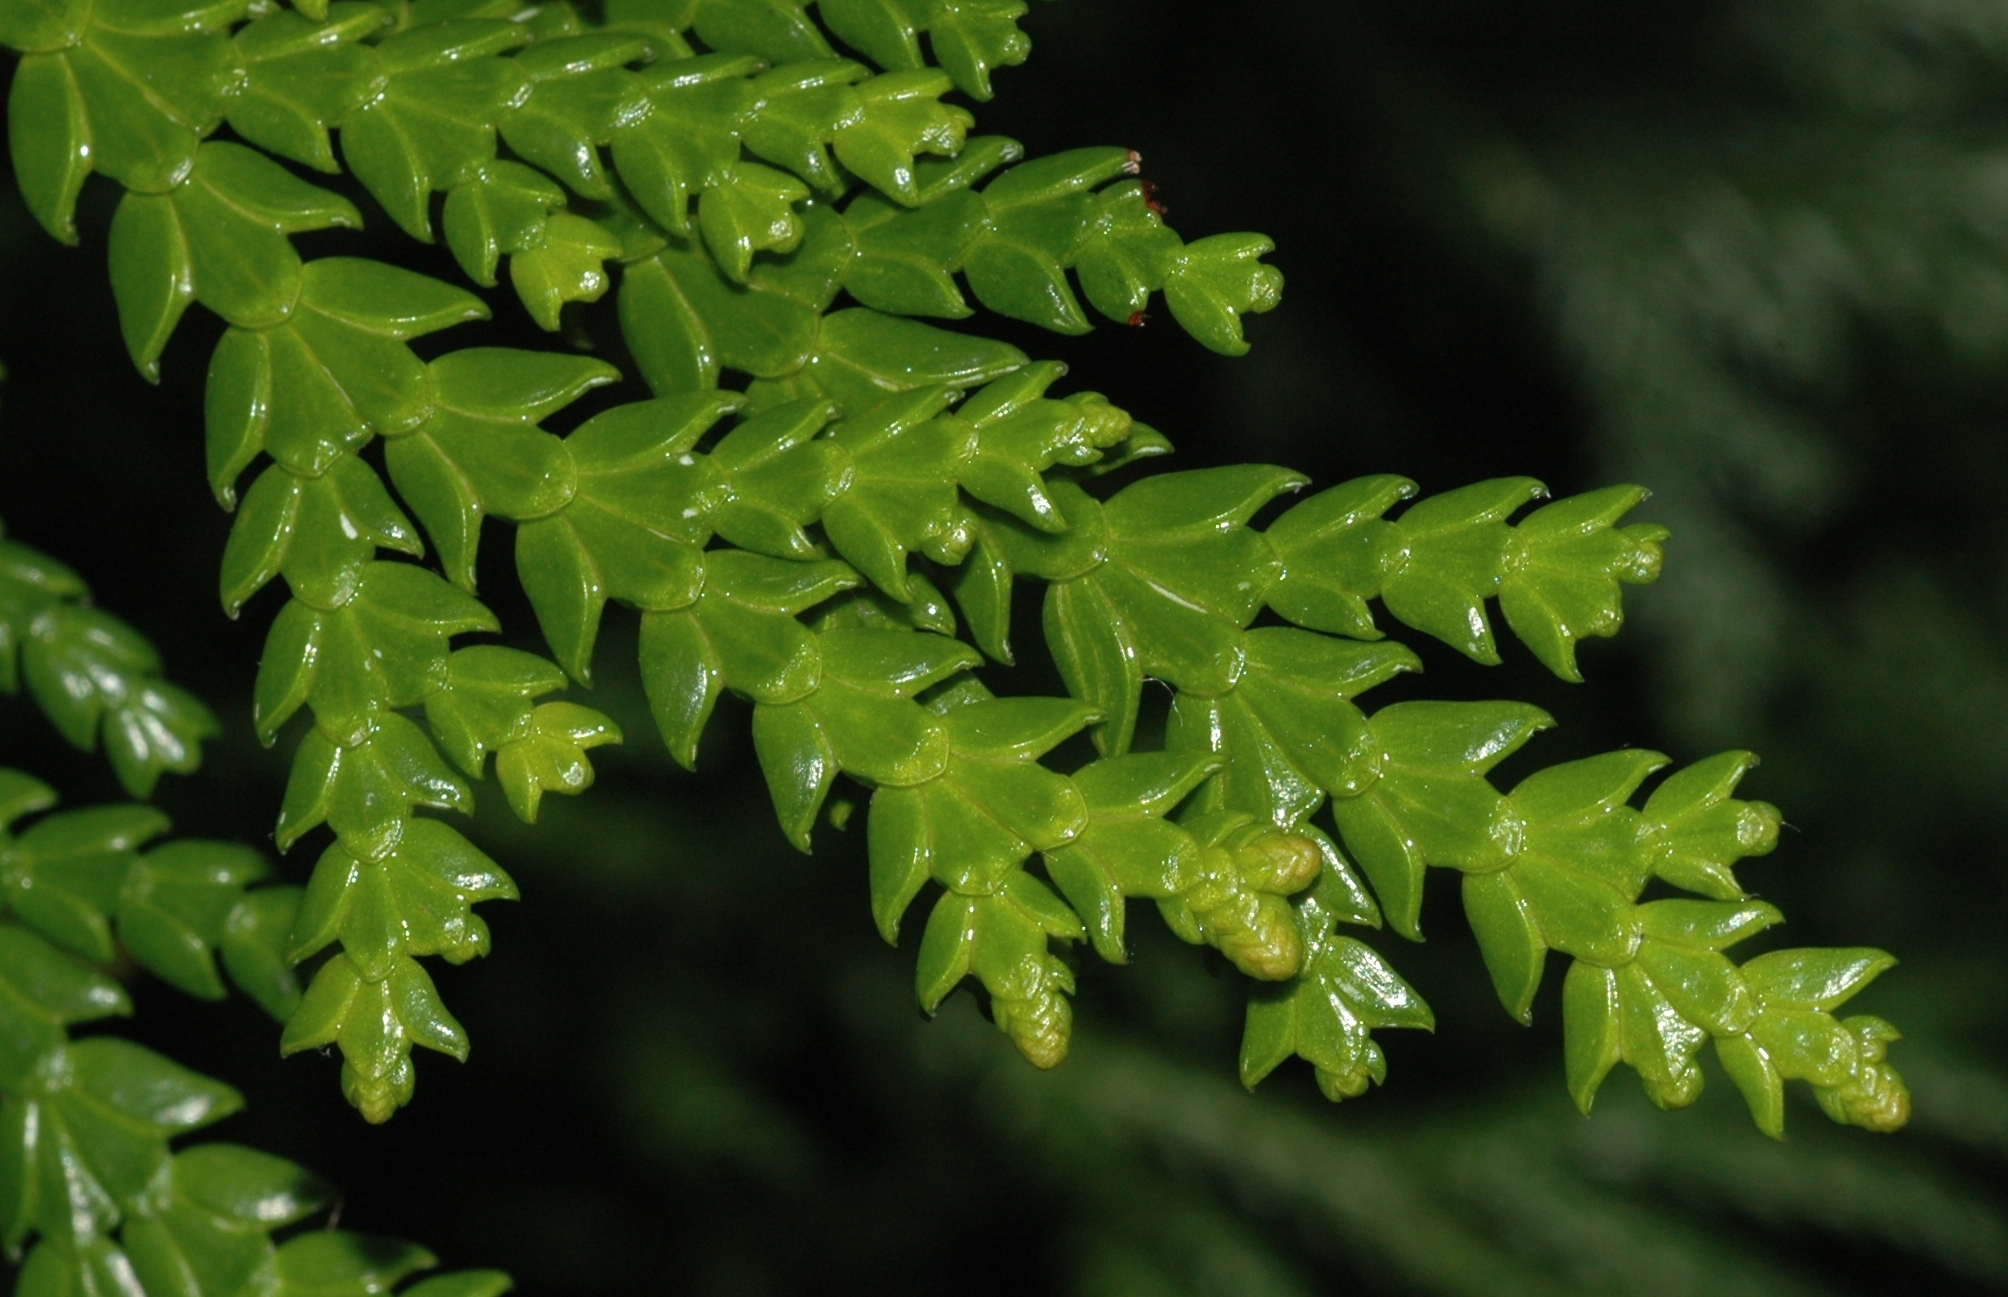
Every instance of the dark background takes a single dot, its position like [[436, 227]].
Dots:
[[1755, 257]]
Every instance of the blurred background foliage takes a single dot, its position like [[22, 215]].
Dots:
[[1752, 255]]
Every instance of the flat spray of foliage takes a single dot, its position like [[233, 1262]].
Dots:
[[834, 537]]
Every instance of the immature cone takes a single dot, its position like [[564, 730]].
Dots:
[[378, 1098], [1240, 902], [1282, 863], [1874, 1097], [1040, 1027], [1370, 1066]]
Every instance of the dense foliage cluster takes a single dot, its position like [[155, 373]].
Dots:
[[815, 504]]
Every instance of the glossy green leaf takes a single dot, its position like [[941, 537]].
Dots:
[[94, 677], [903, 116], [1563, 581], [578, 91], [1002, 939], [1125, 850], [247, 1185], [487, 701], [1218, 280], [875, 735], [64, 875], [1754, 1074], [751, 211], [1127, 253], [1431, 803], [52, 984], [1018, 269], [683, 320], [573, 562], [1508, 929], [563, 265], [1814, 979], [1657, 1041], [35, 28], [503, 208], [22, 794], [481, 452], [689, 136], [153, 276], [905, 260], [551, 757], [174, 905], [1336, 551], [302, 77], [1591, 1041], [332, 1260], [861, 357], [235, 212], [253, 948], [779, 31], [142, 1085], [50, 139], [799, 763], [1694, 829], [1298, 687], [972, 40], [742, 635], [149, 99], [1456, 543], [900, 496], [386, 299], [434, 121], [1326, 1016]]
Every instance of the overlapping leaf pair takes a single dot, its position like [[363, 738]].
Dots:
[[80, 880], [91, 674]]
